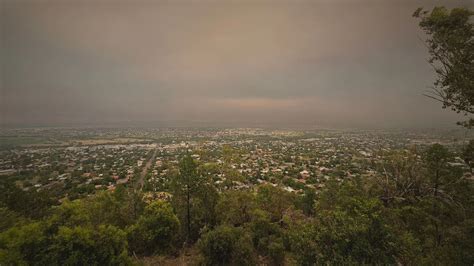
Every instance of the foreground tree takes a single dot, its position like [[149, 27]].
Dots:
[[267, 237], [194, 199], [185, 186], [349, 228], [226, 245], [31, 204], [429, 205], [21, 245], [156, 231], [36, 244], [275, 201], [451, 47], [235, 207], [436, 160], [468, 154], [105, 245]]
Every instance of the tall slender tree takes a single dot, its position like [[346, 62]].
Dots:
[[186, 188]]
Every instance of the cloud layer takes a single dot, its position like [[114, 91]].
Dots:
[[327, 63]]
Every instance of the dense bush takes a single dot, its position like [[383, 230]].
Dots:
[[105, 245], [156, 231], [25, 245], [226, 245], [420, 211], [32, 245], [267, 236], [348, 227]]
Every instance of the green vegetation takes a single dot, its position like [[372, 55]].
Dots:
[[13, 141], [226, 245], [451, 47], [156, 231], [194, 199], [392, 206], [418, 211]]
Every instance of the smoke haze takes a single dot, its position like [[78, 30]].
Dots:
[[284, 63]]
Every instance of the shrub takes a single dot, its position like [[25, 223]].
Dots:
[[156, 231], [226, 245]]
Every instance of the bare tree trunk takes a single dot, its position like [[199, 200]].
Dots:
[[188, 214]]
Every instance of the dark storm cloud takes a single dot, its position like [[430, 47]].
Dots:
[[332, 63]]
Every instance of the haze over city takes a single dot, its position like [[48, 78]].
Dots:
[[236, 132], [244, 63]]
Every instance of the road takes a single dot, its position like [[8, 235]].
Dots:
[[141, 181]]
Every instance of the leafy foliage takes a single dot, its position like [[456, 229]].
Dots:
[[226, 245], [468, 154], [235, 208], [417, 208], [191, 193], [105, 245], [349, 227], [267, 237], [451, 47], [80, 245], [31, 204], [156, 231]]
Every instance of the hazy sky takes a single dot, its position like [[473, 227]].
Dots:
[[327, 63]]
